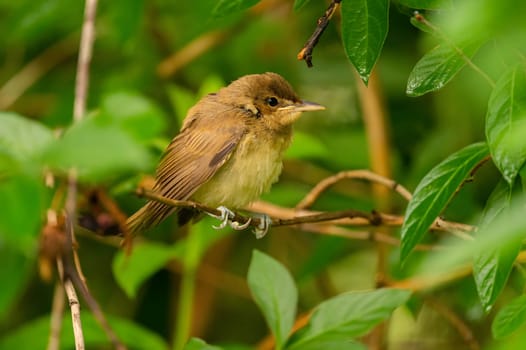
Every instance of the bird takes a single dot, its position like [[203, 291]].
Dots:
[[228, 151]]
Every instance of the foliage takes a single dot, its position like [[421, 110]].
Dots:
[[454, 81]]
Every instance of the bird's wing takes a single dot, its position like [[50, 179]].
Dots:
[[196, 154]]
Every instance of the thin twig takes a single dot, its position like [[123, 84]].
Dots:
[[73, 305], [306, 52], [323, 185], [57, 314], [86, 47]]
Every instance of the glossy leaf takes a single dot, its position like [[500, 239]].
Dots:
[[491, 268], [199, 344], [437, 68], [275, 293], [227, 7], [509, 318], [35, 333], [364, 29], [423, 4], [434, 191], [147, 258], [506, 122], [335, 322]]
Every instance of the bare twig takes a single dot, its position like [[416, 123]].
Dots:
[[306, 52], [86, 47], [323, 185], [73, 305], [57, 313]]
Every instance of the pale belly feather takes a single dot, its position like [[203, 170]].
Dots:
[[250, 171]]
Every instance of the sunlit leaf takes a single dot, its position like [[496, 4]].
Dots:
[[506, 122], [227, 7], [35, 333], [364, 29], [336, 321], [199, 344], [434, 191], [509, 318], [275, 293], [491, 268], [438, 67]]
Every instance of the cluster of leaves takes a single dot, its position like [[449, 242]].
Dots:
[[118, 140]]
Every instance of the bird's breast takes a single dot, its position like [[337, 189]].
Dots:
[[253, 167]]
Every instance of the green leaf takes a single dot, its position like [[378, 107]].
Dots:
[[423, 4], [275, 293], [22, 138], [438, 67], [16, 268], [340, 319], [491, 268], [98, 149], [35, 333], [306, 146], [435, 191], [24, 200], [147, 258], [509, 318], [198, 344], [298, 4], [135, 114], [227, 7], [506, 122], [364, 29], [501, 233]]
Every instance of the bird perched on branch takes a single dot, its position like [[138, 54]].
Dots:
[[229, 150]]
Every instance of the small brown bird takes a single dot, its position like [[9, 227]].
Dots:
[[229, 150]]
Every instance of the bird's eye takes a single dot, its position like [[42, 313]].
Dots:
[[272, 101]]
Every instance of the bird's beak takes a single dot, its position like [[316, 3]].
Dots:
[[303, 106]]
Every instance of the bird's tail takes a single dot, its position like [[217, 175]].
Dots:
[[147, 217]]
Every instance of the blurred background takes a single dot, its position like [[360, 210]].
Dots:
[[155, 59]]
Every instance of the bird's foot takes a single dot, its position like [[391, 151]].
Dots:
[[264, 224], [227, 217]]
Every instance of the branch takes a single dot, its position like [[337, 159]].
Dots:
[[306, 52]]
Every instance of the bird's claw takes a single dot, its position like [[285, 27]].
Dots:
[[226, 216], [264, 224]]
